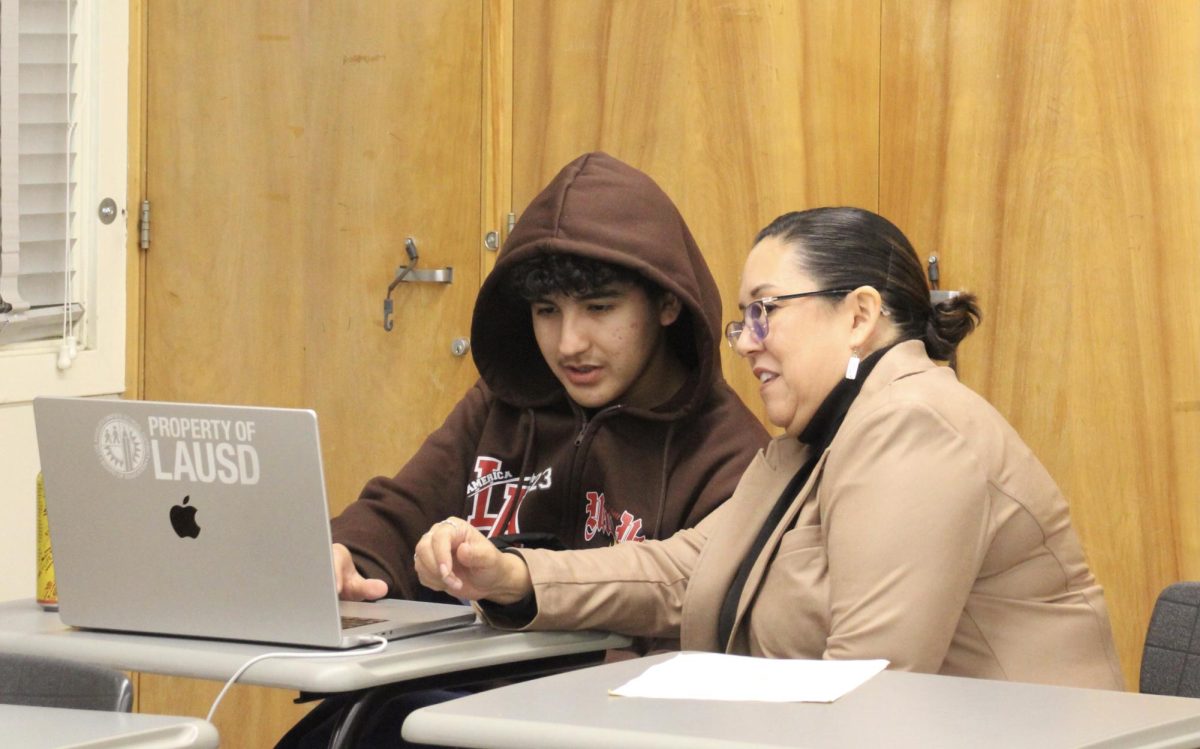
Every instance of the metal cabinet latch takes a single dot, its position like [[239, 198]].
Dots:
[[937, 294], [411, 274]]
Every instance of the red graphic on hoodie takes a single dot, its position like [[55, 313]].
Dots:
[[629, 529], [495, 493], [600, 520]]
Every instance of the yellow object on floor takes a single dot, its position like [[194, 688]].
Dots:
[[47, 590]]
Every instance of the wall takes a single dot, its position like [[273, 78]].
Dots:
[[1046, 151], [18, 467], [108, 365], [739, 110], [1042, 148], [270, 293]]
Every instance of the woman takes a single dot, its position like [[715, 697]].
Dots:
[[899, 516]]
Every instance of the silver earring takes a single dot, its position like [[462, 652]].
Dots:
[[852, 365]]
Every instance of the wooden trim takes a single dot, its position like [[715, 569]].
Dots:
[[135, 260], [497, 125]]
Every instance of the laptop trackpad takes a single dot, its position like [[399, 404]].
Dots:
[[409, 617]]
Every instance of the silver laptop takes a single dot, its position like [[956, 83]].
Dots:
[[202, 521]]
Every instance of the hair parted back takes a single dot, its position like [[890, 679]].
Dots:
[[850, 247]]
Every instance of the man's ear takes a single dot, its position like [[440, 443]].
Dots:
[[669, 308]]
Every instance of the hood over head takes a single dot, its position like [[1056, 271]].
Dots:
[[600, 208]]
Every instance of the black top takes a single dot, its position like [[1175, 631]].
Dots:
[[817, 435]]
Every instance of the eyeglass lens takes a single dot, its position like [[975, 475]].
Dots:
[[756, 319]]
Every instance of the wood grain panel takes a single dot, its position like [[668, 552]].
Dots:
[[284, 181], [135, 262], [497, 124], [1047, 152], [246, 717], [395, 152], [136, 142], [740, 110], [292, 147]]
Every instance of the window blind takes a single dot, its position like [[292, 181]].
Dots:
[[37, 170]]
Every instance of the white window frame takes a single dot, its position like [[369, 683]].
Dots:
[[31, 369]]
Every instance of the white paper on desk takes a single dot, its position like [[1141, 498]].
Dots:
[[713, 676]]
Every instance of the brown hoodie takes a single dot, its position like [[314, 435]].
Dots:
[[516, 456]]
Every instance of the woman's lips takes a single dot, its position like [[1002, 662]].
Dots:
[[764, 376]]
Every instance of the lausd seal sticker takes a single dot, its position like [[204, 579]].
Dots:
[[122, 447]]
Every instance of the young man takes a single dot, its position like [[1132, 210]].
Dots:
[[600, 415]]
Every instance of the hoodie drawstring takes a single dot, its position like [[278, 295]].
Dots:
[[519, 497], [662, 483]]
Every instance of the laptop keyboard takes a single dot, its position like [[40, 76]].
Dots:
[[349, 622]]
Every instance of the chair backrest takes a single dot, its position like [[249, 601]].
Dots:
[[1171, 657], [53, 682]]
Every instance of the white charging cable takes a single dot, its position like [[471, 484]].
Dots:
[[380, 644]]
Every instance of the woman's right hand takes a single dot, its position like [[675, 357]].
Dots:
[[456, 558]]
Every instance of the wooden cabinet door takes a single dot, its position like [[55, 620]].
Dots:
[[291, 149], [739, 110], [1047, 152]]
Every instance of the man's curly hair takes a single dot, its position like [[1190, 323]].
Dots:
[[546, 274]]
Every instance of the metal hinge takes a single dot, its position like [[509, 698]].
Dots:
[[511, 221], [144, 226]]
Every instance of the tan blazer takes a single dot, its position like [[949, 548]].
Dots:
[[928, 534]]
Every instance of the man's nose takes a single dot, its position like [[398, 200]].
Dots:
[[574, 337]]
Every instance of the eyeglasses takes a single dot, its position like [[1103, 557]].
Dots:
[[754, 318]]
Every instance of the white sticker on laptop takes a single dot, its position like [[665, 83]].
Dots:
[[121, 445]]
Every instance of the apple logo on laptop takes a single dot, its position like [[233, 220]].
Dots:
[[183, 520]]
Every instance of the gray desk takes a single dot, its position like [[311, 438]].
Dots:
[[25, 628], [56, 728], [573, 710], [443, 659]]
